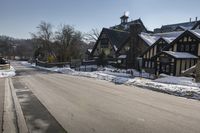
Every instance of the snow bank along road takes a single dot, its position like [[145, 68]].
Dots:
[[84, 105]]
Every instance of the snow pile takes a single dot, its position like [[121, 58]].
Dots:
[[64, 70], [25, 63], [88, 68], [173, 89], [126, 73], [177, 80], [7, 73]]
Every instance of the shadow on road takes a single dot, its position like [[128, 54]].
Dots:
[[37, 117]]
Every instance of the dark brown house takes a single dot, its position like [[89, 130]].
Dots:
[[121, 42]]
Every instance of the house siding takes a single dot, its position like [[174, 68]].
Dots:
[[178, 67]]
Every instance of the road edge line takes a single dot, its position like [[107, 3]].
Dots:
[[19, 114], [3, 112], [9, 119]]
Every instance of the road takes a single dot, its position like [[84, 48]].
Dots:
[[84, 105]]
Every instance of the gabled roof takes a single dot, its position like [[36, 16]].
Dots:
[[116, 38], [173, 27], [194, 33], [150, 39], [160, 39], [167, 37]]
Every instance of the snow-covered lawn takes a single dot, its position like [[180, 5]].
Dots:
[[180, 86], [7, 72]]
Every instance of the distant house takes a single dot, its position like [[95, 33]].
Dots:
[[109, 42], [119, 42]]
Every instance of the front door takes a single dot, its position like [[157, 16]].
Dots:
[[165, 68]]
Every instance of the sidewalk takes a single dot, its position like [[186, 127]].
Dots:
[[2, 89]]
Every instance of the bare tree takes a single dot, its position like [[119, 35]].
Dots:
[[44, 36], [6, 46], [69, 42], [92, 35]]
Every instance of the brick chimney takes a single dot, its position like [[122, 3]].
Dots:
[[135, 48]]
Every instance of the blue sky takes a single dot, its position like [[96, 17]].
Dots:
[[20, 17]]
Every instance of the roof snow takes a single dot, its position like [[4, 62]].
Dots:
[[115, 47], [186, 28], [196, 32], [148, 38], [152, 38], [181, 55], [169, 35], [169, 39], [90, 50], [122, 57]]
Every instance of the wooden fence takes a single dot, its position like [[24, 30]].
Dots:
[[50, 65], [4, 66]]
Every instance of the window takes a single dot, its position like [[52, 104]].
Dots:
[[152, 65], [182, 48], [149, 64], [146, 64], [193, 48], [190, 47], [104, 43], [187, 47]]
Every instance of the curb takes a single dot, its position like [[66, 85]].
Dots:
[[21, 123]]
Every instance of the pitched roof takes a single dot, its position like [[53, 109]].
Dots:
[[116, 38], [196, 32], [184, 28], [169, 36], [150, 39], [173, 27], [181, 55]]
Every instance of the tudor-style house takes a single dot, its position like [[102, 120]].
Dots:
[[119, 42], [170, 49], [172, 52]]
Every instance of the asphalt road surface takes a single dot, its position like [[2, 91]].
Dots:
[[84, 105]]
